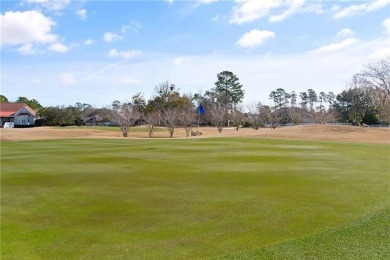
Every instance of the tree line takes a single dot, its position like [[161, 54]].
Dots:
[[365, 100]]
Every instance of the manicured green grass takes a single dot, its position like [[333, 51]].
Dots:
[[367, 238], [161, 199]]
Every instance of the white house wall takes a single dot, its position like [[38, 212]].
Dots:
[[24, 120]]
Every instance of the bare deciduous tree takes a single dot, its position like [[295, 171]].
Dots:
[[377, 75], [187, 119], [237, 116], [376, 79], [380, 103], [125, 115], [259, 115], [170, 117], [152, 119], [323, 117], [296, 118], [254, 115], [219, 115], [274, 118]]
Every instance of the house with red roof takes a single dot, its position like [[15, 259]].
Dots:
[[17, 114]]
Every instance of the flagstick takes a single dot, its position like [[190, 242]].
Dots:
[[198, 118], [197, 132]]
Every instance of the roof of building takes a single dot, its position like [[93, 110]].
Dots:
[[95, 118], [9, 109]]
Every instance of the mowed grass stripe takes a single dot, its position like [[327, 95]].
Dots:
[[368, 238], [181, 198]]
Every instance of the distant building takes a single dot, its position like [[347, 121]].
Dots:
[[17, 113], [94, 121]]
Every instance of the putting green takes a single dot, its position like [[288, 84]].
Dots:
[[228, 197]]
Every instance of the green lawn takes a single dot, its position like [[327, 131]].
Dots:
[[161, 199]]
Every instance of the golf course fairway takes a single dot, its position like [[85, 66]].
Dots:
[[233, 198]]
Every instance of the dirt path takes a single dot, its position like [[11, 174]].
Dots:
[[310, 132]]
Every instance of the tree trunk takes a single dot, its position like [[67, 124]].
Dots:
[[170, 130]]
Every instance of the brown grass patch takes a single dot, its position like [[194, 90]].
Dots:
[[336, 133]]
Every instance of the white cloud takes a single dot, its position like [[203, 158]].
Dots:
[[258, 73], [337, 46], [250, 10], [294, 6], [89, 42], [27, 49], [26, 27], [381, 48], [199, 3], [346, 32], [129, 81], [56, 5], [133, 26], [246, 11], [207, 1], [217, 18], [67, 79], [36, 81], [36, 1], [114, 53], [255, 38], [335, 8], [170, 1], [386, 25], [82, 14], [51, 5], [358, 9], [180, 60], [313, 7], [110, 37], [380, 53], [58, 47], [125, 28]]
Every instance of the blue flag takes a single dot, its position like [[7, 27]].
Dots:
[[201, 109]]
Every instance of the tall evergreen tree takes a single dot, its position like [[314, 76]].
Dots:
[[304, 100], [33, 103], [354, 105], [293, 97], [312, 97], [229, 86]]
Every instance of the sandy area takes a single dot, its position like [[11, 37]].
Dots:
[[309, 132]]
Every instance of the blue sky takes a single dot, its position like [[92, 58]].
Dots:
[[95, 52]]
